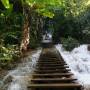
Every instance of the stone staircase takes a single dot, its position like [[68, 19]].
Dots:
[[52, 73]]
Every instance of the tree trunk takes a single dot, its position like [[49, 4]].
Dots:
[[25, 32], [25, 36]]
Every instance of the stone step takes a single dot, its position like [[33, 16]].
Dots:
[[49, 58], [40, 66], [53, 80], [62, 86], [51, 62], [59, 64], [52, 71], [52, 75], [52, 68]]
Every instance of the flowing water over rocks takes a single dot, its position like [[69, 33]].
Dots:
[[79, 62], [18, 79]]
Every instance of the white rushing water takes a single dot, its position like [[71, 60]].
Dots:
[[79, 63], [47, 38], [22, 74]]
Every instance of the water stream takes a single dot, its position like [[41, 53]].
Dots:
[[19, 78], [79, 63]]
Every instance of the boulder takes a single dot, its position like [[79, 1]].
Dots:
[[8, 80], [88, 47]]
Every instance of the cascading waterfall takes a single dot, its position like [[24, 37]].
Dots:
[[20, 77], [79, 63], [47, 38]]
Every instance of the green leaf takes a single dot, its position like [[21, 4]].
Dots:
[[6, 3], [48, 14], [45, 13]]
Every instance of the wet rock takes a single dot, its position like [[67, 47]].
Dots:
[[8, 80], [88, 47], [1, 82], [3, 73]]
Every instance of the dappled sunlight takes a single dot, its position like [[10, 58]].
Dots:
[[87, 3]]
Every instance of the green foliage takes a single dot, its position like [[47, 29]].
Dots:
[[86, 34], [11, 27], [6, 3], [35, 34], [34, 43], [43, 7], [10, 37], [45, 13], [72, 20], [8, 54], [69, 43]]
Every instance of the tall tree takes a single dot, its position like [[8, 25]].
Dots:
[[42, 7]]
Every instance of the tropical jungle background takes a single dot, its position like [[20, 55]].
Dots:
[[23, 22]]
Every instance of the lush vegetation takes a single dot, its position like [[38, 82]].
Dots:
[[22, 23], [21, 26], [10, 36], [69, 43], [73, 20]]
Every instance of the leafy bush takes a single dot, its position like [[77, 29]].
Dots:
[[69, 43], [33, 43], [12, 38], [8, 54], [86, 34]]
